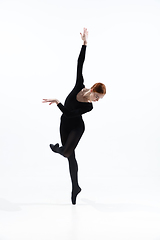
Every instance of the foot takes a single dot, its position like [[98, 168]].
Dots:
[[54, 147], [75, 192]]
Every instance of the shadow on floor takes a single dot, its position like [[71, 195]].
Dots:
[[121, 207], [6, 205]]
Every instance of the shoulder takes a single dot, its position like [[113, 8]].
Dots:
[[89, 106]]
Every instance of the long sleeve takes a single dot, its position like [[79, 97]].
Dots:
[[81, 58], [75, 113]]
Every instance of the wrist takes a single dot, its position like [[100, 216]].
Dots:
[[57, 102]]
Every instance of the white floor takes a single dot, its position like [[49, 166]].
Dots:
[[39, 208]]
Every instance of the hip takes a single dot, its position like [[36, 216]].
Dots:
[[72, 122]]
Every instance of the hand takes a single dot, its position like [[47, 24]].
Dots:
[[50, 101], [84, 36]]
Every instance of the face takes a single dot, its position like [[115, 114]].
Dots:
[[94, 96]]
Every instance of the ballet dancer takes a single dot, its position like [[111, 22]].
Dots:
[[72, 127]]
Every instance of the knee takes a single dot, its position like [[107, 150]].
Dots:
[[67, 154]]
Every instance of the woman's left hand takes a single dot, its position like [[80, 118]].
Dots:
[[50, 101], [84, 36]]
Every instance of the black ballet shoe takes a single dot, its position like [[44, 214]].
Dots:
[[75, 192], [54, 148]]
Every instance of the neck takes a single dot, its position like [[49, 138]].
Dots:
[[86, 95]]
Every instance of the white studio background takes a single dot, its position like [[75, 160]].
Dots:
[[39, 46]]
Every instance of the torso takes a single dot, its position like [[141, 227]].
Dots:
[[75, 100]]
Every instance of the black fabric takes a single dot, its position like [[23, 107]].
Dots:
[[72, 126], [72, 108]]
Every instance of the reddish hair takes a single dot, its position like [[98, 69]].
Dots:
[[99, 88]]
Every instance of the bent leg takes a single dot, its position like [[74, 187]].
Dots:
[[72, 141]]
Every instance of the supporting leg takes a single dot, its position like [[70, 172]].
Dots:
[[73, 168]]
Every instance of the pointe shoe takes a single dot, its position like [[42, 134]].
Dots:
[[75, 192]]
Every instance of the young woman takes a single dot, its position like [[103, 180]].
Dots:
[[78, 102]]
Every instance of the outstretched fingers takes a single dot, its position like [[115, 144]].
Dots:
[[46, 101], [85, 32], [84, 36]]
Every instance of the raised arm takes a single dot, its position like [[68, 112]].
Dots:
[[81, 58]]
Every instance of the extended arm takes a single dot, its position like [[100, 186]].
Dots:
[[81, 58], [68, 113]]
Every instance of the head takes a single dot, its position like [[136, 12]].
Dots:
[[98, 90]]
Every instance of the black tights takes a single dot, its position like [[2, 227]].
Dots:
[[70, 140]]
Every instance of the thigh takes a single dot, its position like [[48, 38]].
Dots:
[[74, 137], [72, 140], [71, 131], [63, 133]]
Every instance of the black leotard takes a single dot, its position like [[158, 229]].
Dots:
[[72, 125]]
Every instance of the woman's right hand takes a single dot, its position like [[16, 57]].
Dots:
[[50, 101]]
